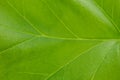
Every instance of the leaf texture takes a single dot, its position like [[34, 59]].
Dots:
[[59, 40]]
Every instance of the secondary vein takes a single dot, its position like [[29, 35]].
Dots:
[[25, 18]]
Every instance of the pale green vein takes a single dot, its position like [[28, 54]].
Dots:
[[43, 34], [52, 37], [59, 38], [52, 74], [94, 74], [108, 17], [59, 19], [21, 32], [16, 44], [99, 12], [28, 21], [25, 18], [26, 40]]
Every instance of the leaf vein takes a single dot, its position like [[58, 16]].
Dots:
[[72, 60], [59, 19], [25, 18], [1, 52], [108, 16], [94, 74]]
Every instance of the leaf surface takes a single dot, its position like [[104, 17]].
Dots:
[[59, 40]]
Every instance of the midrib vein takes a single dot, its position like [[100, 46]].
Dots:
[[25, 18], [79, 39], [37, 36]]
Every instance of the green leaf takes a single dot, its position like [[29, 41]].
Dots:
[[59, 40]]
